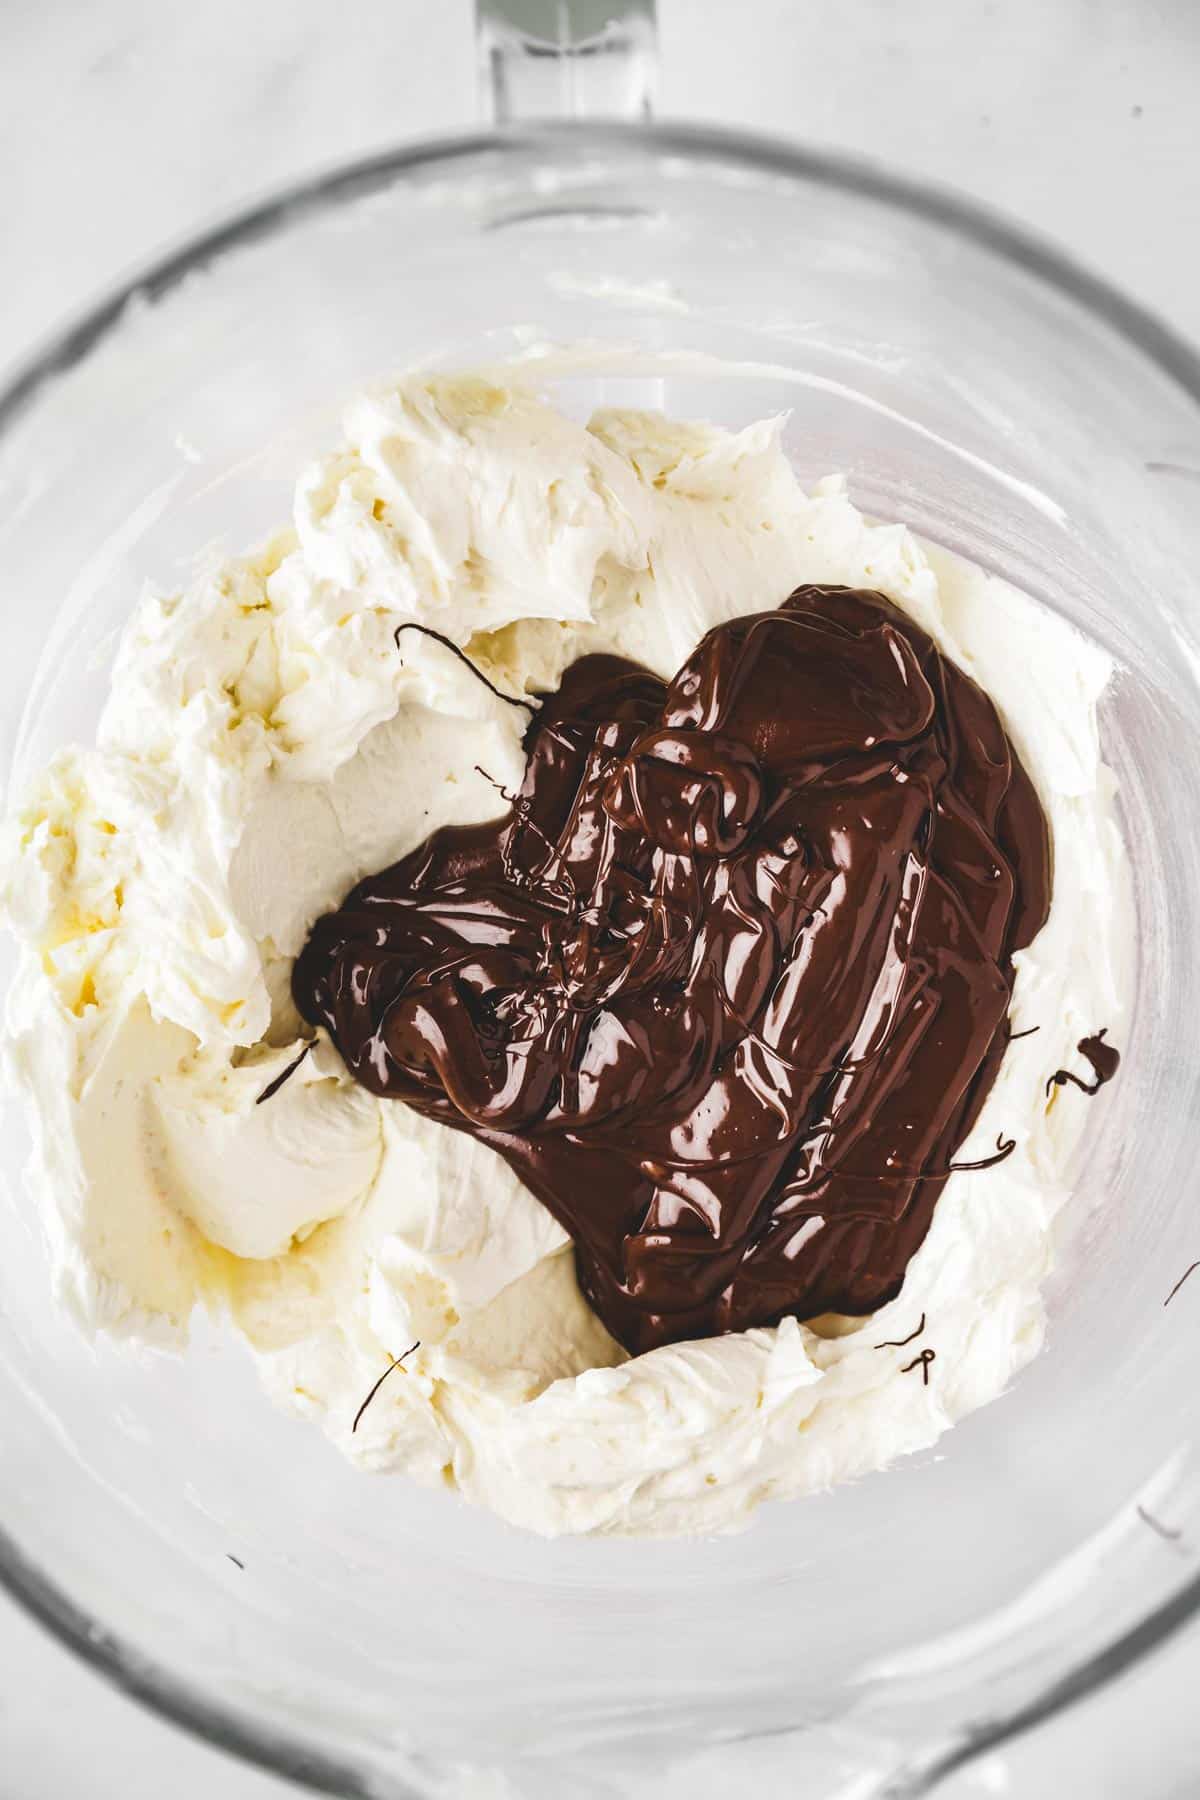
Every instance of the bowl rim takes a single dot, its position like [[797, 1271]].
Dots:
[[116, 1659]]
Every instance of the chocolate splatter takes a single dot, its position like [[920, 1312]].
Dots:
[[1014, 1037], [1103, 1058]]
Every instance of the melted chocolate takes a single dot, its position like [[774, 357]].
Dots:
[[728, 985], [1104, 1059]]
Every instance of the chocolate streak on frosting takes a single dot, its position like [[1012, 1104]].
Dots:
[[728, 985], [375, 1386], [921, 1362], [1104, 1059], [439, 637], [1004, 1148], [273, 1087], [899, 1343]]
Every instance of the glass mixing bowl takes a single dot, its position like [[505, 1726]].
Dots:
[[376, 1639]]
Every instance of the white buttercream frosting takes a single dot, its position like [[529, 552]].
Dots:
[[269, 740]]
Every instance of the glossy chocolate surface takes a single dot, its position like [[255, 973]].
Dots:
[[727, 985]]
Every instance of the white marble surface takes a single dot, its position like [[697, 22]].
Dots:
[[125, 123]]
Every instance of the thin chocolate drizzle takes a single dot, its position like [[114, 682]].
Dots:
[[922, 1362], [729, 984], [394, 1364], [1180, 1282], [439, 637], [273, 1087], [1004, 1147], [1014, 1037], [1104, 1060], [899, 1343]]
